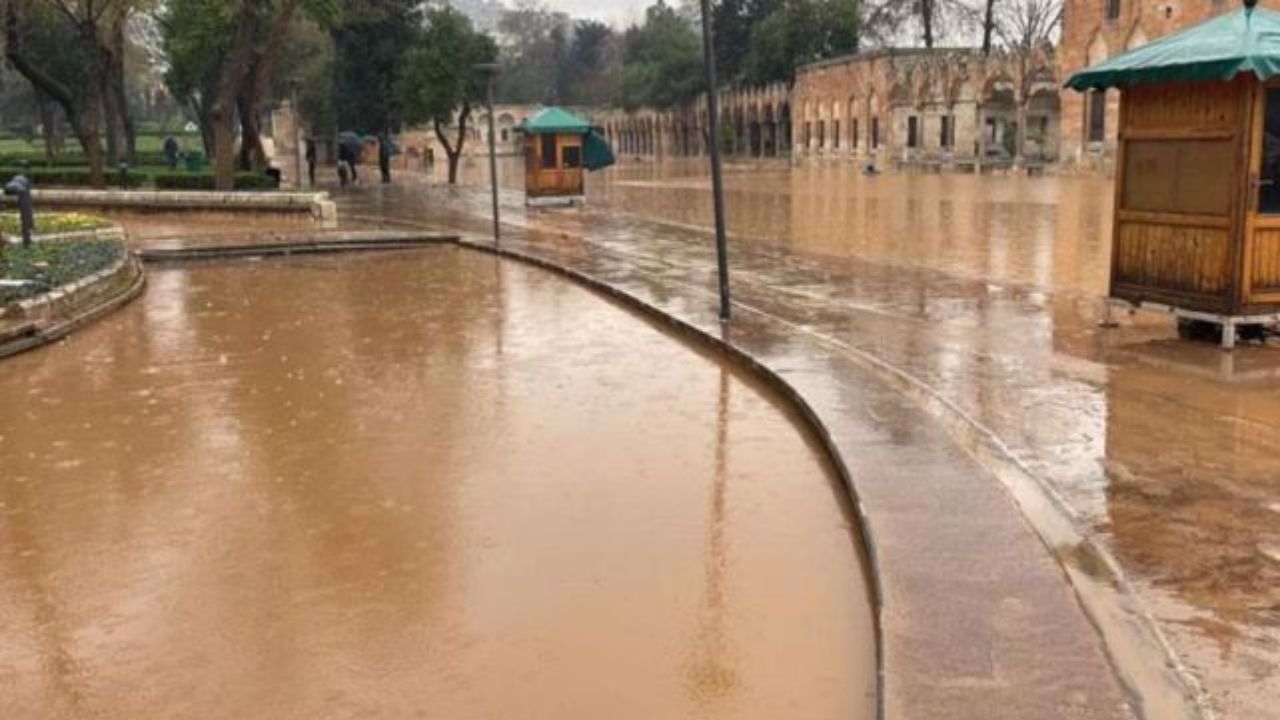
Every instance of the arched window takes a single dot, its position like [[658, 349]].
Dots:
[[1113, 9]]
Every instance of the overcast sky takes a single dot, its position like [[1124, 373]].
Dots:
[[614, 12]]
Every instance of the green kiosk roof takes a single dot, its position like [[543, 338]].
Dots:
[[555, 120], [1247, 40]]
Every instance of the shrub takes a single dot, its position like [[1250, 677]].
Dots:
[[74, 159], [204, 181], [70, 177]]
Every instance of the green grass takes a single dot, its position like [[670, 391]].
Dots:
[[145, 144], [52, 223], [53, 263]]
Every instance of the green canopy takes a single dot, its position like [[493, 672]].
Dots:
[[1247, 40], [555, 120], [596, 153]]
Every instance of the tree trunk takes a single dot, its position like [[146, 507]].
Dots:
[[204, 120], [48, 118], [116, 87], [454, 151], [253, 156], [222, 112], [927, 8], [988, 26]]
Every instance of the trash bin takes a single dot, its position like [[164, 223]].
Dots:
[[194, 161]]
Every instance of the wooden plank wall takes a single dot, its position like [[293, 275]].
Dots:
[[1176, 233]]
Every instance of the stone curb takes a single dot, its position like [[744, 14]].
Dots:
[[35, 333], [318, 205], [343, 242]]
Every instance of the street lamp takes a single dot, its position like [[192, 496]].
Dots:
[[713, 133], [490, 71]]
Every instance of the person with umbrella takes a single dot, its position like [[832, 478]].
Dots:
[[350, 147]]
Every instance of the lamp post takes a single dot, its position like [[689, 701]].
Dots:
[[717, 186], [490, 71]]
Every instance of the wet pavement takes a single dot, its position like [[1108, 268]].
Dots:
[[415, 484], [982, 296]]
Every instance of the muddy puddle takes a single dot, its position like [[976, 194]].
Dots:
[[427, 484]]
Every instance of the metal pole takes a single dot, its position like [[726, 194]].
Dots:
[[717, 187], [493, 160]]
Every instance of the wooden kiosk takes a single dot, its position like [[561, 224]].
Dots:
[[1197, 204], [559, 147]]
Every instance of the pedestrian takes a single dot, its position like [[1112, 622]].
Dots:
[[385, 150], [310, 144], [171, 151]]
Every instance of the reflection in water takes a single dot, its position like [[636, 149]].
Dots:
[[422, 484], [712, 678]]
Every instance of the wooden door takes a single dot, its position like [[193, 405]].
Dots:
[[1260, 257]]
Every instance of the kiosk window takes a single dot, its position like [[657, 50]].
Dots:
[[1178, 176], [548, 151], [572, 157], [1269, 172]]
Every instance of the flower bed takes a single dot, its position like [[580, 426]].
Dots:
[[44, 265], [47, 223]]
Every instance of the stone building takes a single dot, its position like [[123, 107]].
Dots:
[[1094, 30], [942, 108], [930, 107]]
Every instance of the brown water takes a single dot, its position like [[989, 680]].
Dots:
[[413, 485], [989, 290]]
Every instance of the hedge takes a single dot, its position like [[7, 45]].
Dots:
[[160, 179], [38, 160], [69, 177], [204, 181]]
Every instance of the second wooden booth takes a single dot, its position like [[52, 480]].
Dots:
[[1197, 198], [559, 148]]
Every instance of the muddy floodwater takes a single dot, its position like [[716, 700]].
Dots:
[[989, 291], [427, 484]]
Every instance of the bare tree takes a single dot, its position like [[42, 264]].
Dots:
[[1026, 25], [988, 26]]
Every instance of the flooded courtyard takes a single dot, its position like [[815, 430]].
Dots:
[[424, 484], [988, 292]]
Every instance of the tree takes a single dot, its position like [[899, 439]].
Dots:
[[592, 61], [533, 53], [662, 61], [439, 81], [368, 48], [800, 32], [56, 46], [258, 31]]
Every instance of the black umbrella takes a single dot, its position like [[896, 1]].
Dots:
[[352, 143]]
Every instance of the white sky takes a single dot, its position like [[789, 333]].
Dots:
[[618, 13]]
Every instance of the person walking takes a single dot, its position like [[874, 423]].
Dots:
[[310, 144], [385, 150], [171, 151]]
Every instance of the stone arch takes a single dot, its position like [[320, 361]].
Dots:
[[1098, 50], [1137, 38]]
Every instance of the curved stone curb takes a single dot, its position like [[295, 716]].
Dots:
[[43, 323], [814, 424], [338, 242]]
